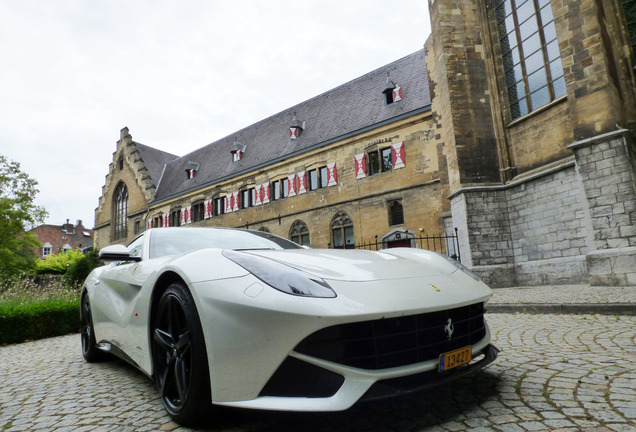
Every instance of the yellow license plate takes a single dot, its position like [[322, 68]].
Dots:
[[455, 358]]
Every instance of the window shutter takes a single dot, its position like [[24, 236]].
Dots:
[[293, 132], [235, 201], [265, 193], [228, 203], [361, 165], [302, 182], [291, 179], [257, 195], [397, 151], [397, 94], [332, 176]]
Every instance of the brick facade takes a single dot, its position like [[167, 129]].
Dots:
[[56, 238]]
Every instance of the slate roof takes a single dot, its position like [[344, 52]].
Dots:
[[154, 160], [347, 109]]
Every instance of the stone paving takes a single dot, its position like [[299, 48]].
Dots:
[[555, 372]]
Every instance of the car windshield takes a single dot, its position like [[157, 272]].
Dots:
[[174, 241]]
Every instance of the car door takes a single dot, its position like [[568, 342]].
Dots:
[[116, 299]]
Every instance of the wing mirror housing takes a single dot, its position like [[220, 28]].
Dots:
[[117, 253]]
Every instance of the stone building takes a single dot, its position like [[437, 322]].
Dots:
[[514, 125], [61, 238]]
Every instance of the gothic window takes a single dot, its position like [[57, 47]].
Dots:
[[342, 232], [630, 17], [530, 54], [396, 213], [120, 212], [299, 233]]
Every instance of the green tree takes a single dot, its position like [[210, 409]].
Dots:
[[18, 213]]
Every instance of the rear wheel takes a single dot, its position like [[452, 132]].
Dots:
[[89, 346], [179, 356]]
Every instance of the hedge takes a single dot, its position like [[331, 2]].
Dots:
[[22, 322]]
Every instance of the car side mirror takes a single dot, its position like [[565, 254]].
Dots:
[[117, 253]]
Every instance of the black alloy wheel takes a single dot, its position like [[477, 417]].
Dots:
[[89, 346], [179, 356]]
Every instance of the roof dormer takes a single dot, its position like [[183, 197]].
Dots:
[[237, 151], [191, 169], [296, 128], [392, 92]]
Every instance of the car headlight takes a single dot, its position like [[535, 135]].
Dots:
[[282, 277], [461, 267]]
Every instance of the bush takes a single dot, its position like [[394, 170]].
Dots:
[[81, 268], [39, 320], [31, 310], [58, 264]]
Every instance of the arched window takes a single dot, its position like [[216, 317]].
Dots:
[[342, 232], [120, 212], [396, 213], [299, 233]]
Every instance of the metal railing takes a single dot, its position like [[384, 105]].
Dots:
[[447, 244]]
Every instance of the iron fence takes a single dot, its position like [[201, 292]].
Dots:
[[447, 244]]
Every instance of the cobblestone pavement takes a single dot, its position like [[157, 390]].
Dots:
[[555, 372], [565, 294]]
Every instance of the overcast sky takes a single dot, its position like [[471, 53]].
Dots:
[[178, 74]]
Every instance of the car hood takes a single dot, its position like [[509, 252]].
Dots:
[[361, 265]]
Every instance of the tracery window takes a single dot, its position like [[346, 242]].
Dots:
[[630, 17], [120, 212], [299, 233], [530, 54], [342, 232]]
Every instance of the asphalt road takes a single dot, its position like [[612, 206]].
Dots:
[[555, 372]]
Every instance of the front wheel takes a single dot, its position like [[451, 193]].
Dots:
[[179, 356], [89, 346]]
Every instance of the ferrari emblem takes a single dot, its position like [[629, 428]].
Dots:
[[449, 328], [435, 288]]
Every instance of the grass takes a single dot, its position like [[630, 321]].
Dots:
[[35, 308]]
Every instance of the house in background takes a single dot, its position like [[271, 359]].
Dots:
[[61, 238]]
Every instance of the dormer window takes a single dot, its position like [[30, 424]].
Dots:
[[191, 169], [296, 128], [237, 151], [392, 92]]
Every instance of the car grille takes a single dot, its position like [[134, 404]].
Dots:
[[393, 342]]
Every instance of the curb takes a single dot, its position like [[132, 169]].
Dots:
[[564, 308]]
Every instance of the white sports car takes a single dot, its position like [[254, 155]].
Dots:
[[248, 319]]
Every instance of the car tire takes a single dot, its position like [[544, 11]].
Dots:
[[90, 351], [179, 357]]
